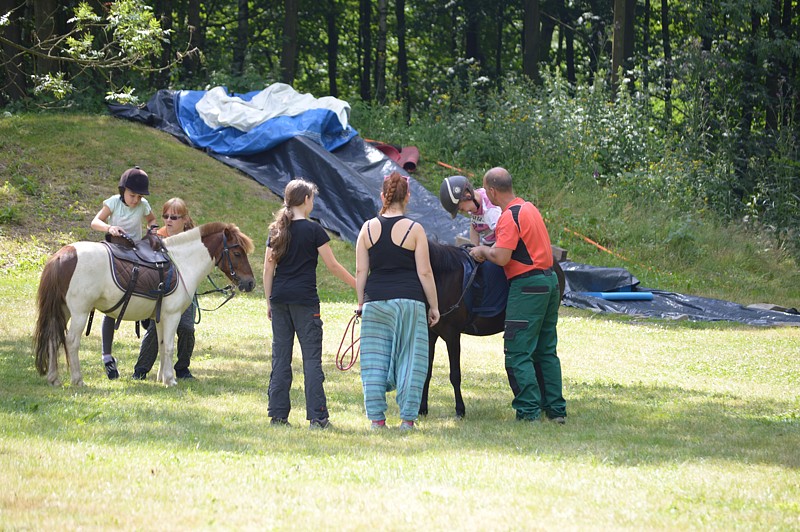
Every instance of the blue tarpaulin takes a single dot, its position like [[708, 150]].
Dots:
[[320, 125]]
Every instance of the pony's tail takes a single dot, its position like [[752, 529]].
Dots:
[[51, 323]]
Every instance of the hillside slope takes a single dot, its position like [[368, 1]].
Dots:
[[55, 171]]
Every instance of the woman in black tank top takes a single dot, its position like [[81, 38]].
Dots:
[[397, 301]]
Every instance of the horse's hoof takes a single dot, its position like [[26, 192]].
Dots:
[[171, 382], [54, 383], [459, 417]]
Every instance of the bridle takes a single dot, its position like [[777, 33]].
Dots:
[[226, 255], [230, 290]]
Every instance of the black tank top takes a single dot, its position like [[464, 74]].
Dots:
[[392, 268]]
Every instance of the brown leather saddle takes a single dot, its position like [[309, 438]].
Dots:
[[140, 268]]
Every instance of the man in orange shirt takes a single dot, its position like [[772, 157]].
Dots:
[[523, 250]]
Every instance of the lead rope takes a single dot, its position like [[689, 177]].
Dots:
[[354, 351]]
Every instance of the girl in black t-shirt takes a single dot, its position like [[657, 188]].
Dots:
[[290, 286]]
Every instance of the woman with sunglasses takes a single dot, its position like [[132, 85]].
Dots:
[[176, 220]]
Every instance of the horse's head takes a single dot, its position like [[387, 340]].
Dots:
[[230, 247]]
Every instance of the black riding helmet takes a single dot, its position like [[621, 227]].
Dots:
[[453, 190], [136, 180]]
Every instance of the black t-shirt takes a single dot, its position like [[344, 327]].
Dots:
[[295, 279]]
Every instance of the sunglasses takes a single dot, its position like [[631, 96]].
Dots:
[[172, 216]]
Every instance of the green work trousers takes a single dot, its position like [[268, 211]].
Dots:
[[531, 338]]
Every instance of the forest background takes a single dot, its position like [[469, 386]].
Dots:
[[603, 110]]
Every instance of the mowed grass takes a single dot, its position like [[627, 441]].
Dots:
[[672, 425]]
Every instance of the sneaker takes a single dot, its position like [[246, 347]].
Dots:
[[111, 369], [320, 424], [280, 421], [407, 425], [138, 376], [558, 420], [378, 425], [184, 374]]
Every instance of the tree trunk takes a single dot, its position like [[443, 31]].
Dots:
[[454, 40], [646, 47], [473, 32], [665, 36], [45, 13], [498, 51], [568, 27], [197, 39], [333, 46], [240, 45], [289, 52], [365, 47], [775, 70], [530, 40], [618, 46], [14, 81], [629, 43], [596, 40], [380, 55], [163, 11], [546, 39], [402, 59]]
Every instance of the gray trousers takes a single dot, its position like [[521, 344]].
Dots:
[[148, 352], [303, 321]]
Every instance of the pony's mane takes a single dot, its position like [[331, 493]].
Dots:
[[236, 235], [445, 258]]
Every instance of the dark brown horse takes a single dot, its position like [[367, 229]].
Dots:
[[448, 270]]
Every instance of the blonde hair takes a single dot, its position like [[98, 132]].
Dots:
[[294, 195], [178, 206], [395, 190]]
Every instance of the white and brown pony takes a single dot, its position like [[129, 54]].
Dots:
[[79, 278]]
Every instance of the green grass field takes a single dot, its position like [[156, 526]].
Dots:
[[672, 425]]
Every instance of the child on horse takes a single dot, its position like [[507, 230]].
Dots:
[[457, 195], [290, 287], [122, 215]]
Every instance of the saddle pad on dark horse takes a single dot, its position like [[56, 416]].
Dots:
[[487, 294], [490, 290], [153, 280]]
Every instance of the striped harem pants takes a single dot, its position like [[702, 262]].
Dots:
[[394, 355]]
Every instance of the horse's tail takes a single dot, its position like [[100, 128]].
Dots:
[[51, 323]]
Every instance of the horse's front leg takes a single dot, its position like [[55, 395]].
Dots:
[[166, 348], [454, 353], [73, 344]]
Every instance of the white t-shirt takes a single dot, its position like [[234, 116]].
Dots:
[[129, 219]]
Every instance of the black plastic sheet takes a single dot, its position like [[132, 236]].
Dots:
[[582, 278]]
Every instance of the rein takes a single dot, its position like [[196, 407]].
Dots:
[[469, 282], [354, 351], [229, 291]]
